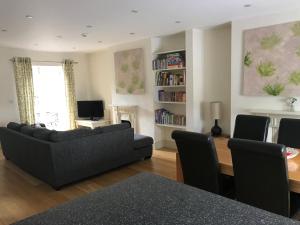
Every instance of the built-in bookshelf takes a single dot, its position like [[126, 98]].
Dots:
[[171, 96], [166, 117], [169, 68]]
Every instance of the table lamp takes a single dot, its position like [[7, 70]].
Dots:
[[215, 108]]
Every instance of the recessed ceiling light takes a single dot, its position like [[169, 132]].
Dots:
[[29, 16], [84, 34], [3, 30], [89, 26], [177, 21], [134, 11], [132, 33], [59, 36], [99, 41], [247, 5]]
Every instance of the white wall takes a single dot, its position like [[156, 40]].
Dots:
[[103, 81], [8, 100], [216, 79], [210, 78], [194, 79], [240, 103]]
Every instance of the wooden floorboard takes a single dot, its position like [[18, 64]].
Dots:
[[21, 195]]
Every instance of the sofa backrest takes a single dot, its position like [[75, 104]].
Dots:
[[112, 128], [59, 136]]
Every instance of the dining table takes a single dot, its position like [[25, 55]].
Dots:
[[225, 163]]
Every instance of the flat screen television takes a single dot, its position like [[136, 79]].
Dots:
[[90, 109]]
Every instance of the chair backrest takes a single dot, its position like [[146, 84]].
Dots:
[[260, 175], [251, 127], [289, 132], [199, 160]]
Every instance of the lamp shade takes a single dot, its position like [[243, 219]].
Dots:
[[215, 109]]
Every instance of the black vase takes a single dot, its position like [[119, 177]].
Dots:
[[216, 130]]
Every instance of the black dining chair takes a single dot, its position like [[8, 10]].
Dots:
[[199, 163], [289, 132], [260, 175], [251, 127]]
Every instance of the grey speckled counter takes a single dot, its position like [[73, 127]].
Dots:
[[149, 199]]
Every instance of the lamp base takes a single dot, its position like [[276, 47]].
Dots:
[[216, 130]]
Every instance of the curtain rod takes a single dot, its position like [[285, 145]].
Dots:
[[40, 61]]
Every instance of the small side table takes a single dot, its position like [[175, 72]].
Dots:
[[92, 124]]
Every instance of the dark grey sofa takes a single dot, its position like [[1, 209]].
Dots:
[[60, 158]]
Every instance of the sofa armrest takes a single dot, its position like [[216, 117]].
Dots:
[[30, 154]]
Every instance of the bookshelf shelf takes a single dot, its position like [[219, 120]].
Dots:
[[170, 126], [164, 102], [166, 52], [171, 86], [170, 69]]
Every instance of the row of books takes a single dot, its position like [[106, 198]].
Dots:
[[174, 96], [169, 61], [164, 78], [163, 116]]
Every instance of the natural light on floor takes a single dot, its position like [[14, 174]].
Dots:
[[50, 99]]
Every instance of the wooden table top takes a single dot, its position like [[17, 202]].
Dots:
[[224, 157]]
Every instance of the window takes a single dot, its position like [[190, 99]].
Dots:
[[49, 96]]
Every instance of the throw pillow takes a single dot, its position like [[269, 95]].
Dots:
[[42, 133], [15, 126], [28, 130]]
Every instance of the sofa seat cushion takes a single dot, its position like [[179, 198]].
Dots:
[[15, 126], [141, 141], [28, 130], [42, 133], [111, 128], [58, 136]]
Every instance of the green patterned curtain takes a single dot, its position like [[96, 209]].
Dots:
[[24, 87], [70, 91]]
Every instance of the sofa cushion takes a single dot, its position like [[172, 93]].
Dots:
[[58, 136], [28, 130], [111, 128], [15, 126], [42, 133], [141, 141]]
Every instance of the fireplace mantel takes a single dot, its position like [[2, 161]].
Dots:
[[125, 112]]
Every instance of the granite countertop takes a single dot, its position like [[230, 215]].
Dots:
[[147, 199]]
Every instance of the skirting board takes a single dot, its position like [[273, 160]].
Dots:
[[165, 144]]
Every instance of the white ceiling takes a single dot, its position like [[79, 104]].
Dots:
[[112, 20]]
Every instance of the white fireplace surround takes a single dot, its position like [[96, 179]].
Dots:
[[125, 112]]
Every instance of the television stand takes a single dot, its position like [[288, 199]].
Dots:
[[92, 123]]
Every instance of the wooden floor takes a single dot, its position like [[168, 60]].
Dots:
[[22, 196]]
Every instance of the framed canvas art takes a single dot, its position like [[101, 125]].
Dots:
[[272, 60], [129, 68]]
